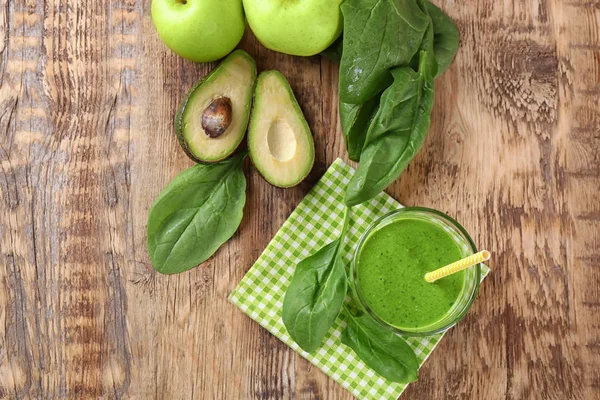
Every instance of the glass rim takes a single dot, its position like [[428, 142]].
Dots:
[[354, 273]]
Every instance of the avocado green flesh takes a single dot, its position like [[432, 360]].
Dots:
[[279, 139], [233, 79]]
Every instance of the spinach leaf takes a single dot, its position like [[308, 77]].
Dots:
[[195, 214], [315, 296], [446, 37], [355, 120], [427, 44], [396, 133], [381, 349], [378, 36]]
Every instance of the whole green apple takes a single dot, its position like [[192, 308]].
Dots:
[[297, 27], [199, 30]]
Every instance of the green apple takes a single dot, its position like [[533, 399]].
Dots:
[[298, 27], [199, 30]]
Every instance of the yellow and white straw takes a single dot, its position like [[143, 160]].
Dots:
[[458, 266]]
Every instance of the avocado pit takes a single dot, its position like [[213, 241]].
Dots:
[[216, 118]]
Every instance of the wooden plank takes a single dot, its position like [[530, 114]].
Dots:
[[88, 94]]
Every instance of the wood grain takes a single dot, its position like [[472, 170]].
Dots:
[[87, 97]]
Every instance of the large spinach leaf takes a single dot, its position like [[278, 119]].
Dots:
[[195, 214], [355, 120], [381, 349], [378, 36], [315, 296], [446, 37], [396, 133]]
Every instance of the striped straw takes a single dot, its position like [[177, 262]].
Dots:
[[457, 266]]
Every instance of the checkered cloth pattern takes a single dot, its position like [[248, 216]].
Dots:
[[316, 221]]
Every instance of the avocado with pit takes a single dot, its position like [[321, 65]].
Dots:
[[279, 139], [213, 117]]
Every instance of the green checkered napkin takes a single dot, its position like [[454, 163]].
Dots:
[[316, 221]]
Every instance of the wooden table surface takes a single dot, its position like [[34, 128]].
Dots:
[[88, 94]]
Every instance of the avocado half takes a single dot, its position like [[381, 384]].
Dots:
[[213, 117], [279, 139]]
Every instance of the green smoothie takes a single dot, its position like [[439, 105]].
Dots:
[[390, 270]]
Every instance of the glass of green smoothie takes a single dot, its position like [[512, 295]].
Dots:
[[391, 259]]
